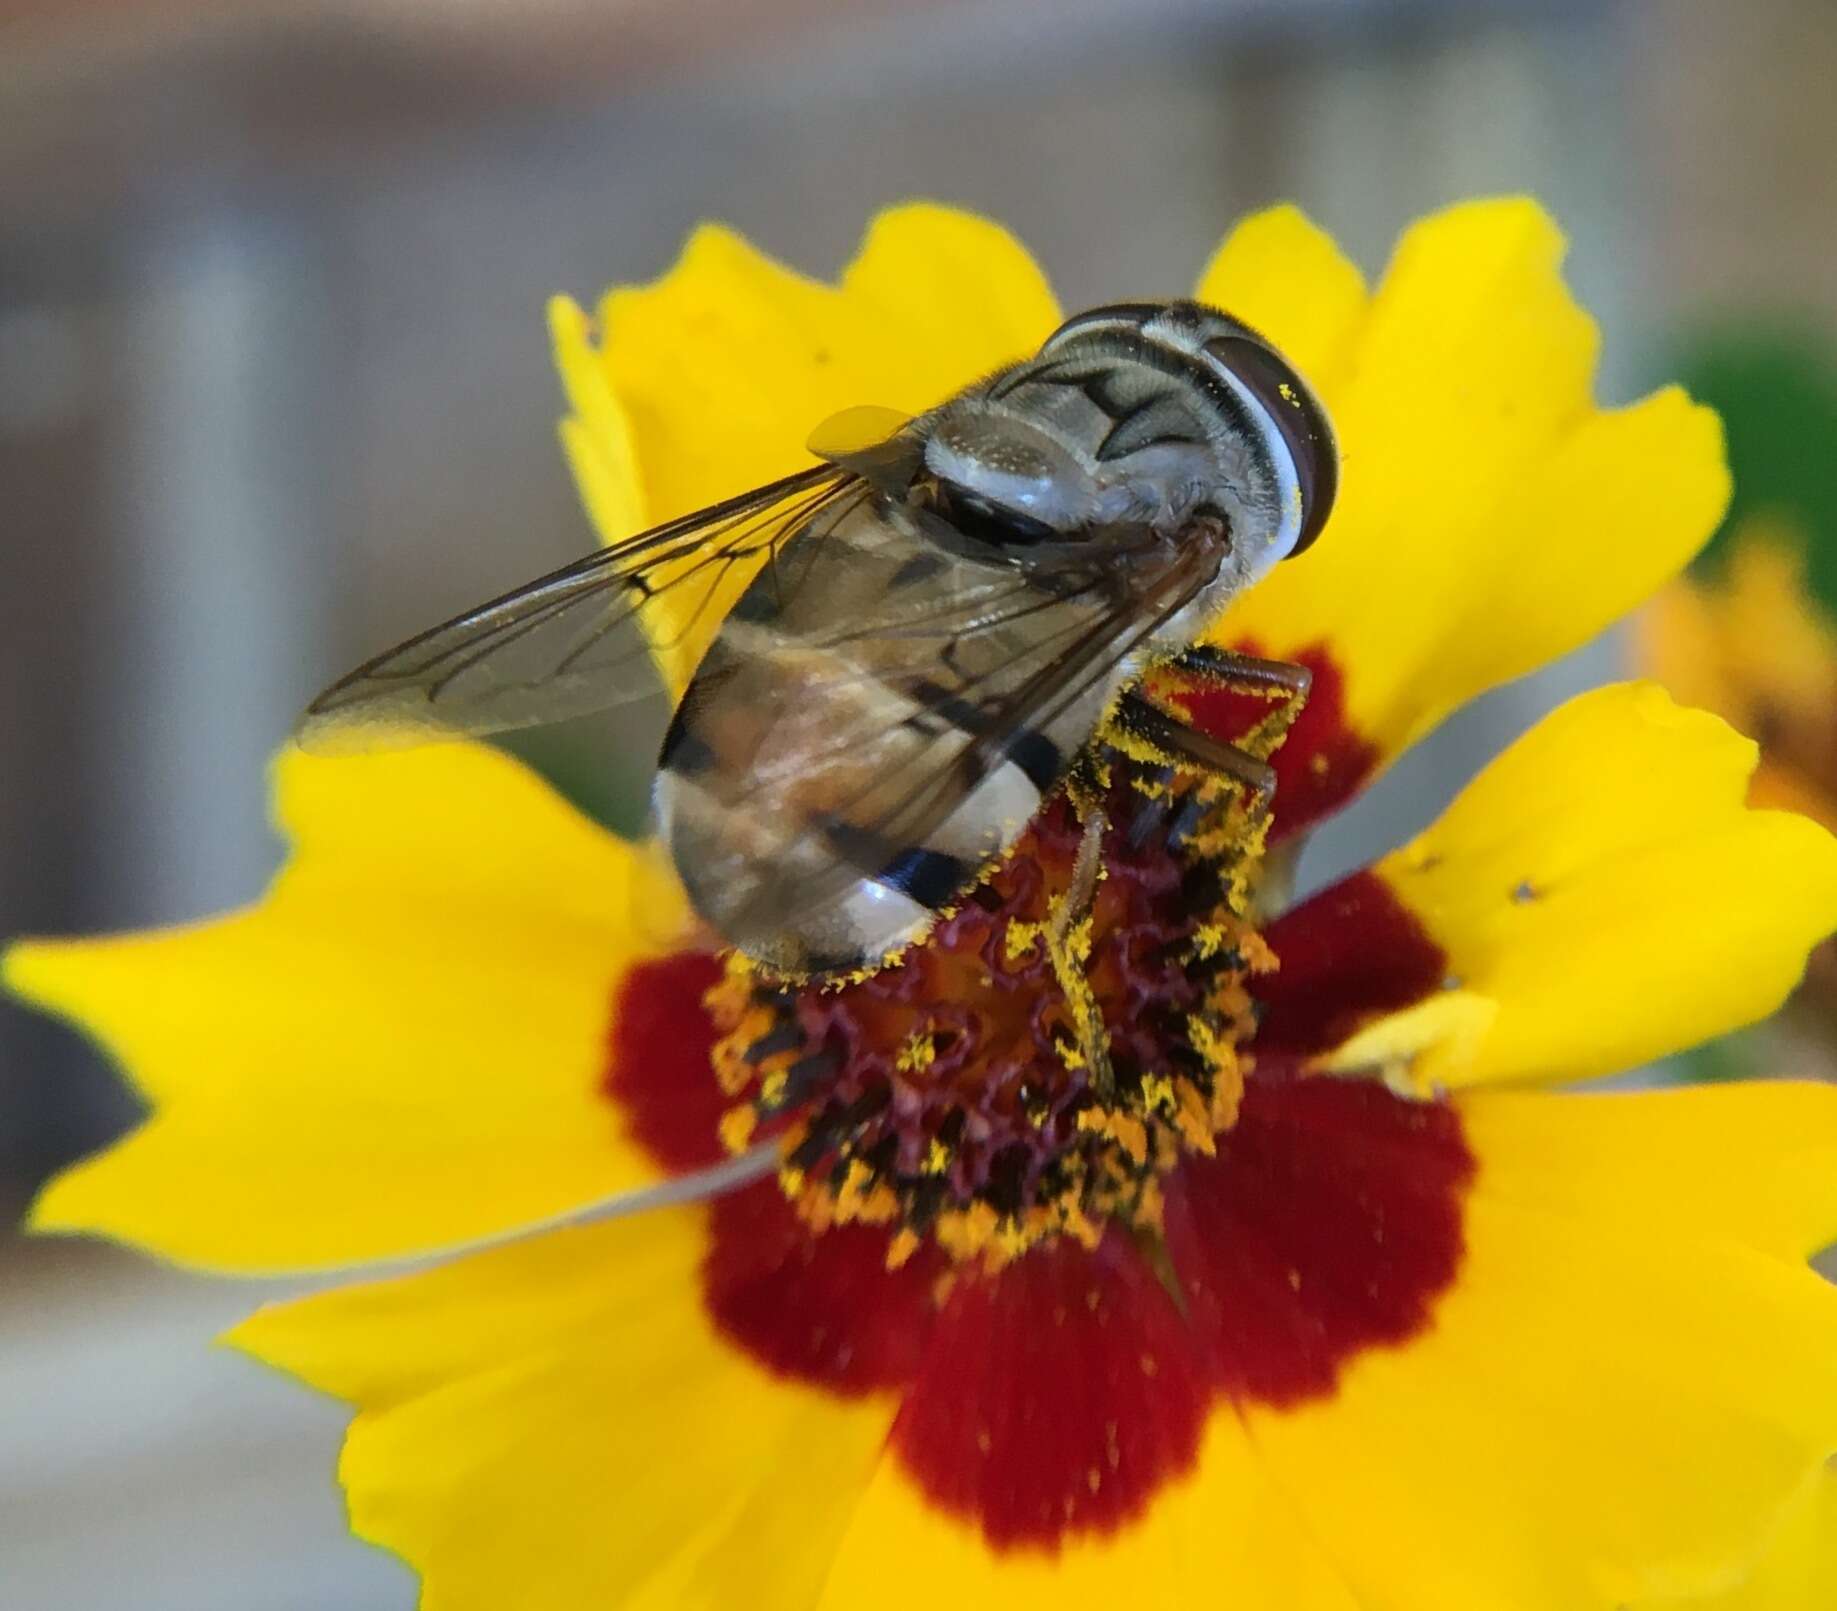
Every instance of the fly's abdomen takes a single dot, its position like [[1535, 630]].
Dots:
[[783, 850], [824, 799]]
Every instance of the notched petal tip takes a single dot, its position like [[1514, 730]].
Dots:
[[936, 276], [577, 361], [1286, 277], [569, 331], [1545, 518], [1677, 448], [713, 256], [24, 974], [914, 227], [89, 984], [1650, 704], [1270, 243], [1514, 223], [1807, 854], [596, 434], [709, 245]]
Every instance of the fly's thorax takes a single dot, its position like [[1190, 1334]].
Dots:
[[1075, 449], [1153, 414]]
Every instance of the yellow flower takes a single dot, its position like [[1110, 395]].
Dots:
[[1392, 1321]]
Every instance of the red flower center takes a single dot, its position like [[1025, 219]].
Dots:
[[951, 1094], [1057, 1394], [1259, 1231]]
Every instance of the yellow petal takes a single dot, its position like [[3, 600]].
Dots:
[[1605, 887], [1490, 516], [1623, 1396], [727, 363], [953, 296], [1620, 1397], [1283, 275], [400, 1047], [1635, 1160], [596, 436], [556, 1425], [1225, 1536], [1798, 1571], [710, 381]]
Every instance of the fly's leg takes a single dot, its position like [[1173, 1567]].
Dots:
[[1147, 732], [1068, 942], [1277, 680], [1172, 743], [1176, 744]]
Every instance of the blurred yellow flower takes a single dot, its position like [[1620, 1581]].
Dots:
[[1400, 1323], [1757, 648]]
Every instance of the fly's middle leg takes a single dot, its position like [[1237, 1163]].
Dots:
[[1154, 735], [1143, 729], [1068, 948], [1242, 762], [1174, 743]]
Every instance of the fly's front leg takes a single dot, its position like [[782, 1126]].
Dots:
[[1153, 734], [1177, 744], [1278, 680], [1143, 730]]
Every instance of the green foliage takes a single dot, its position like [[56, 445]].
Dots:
[[1774, 382]]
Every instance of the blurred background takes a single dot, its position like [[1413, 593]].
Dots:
[[275, 390]]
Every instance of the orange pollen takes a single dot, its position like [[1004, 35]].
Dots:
[[949, 1094]]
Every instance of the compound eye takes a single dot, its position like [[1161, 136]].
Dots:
[[1305, 429]]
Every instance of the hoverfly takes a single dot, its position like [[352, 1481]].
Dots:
[[940, 624]]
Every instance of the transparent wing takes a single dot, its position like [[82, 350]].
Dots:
[[1080, 622], [568, 644]]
